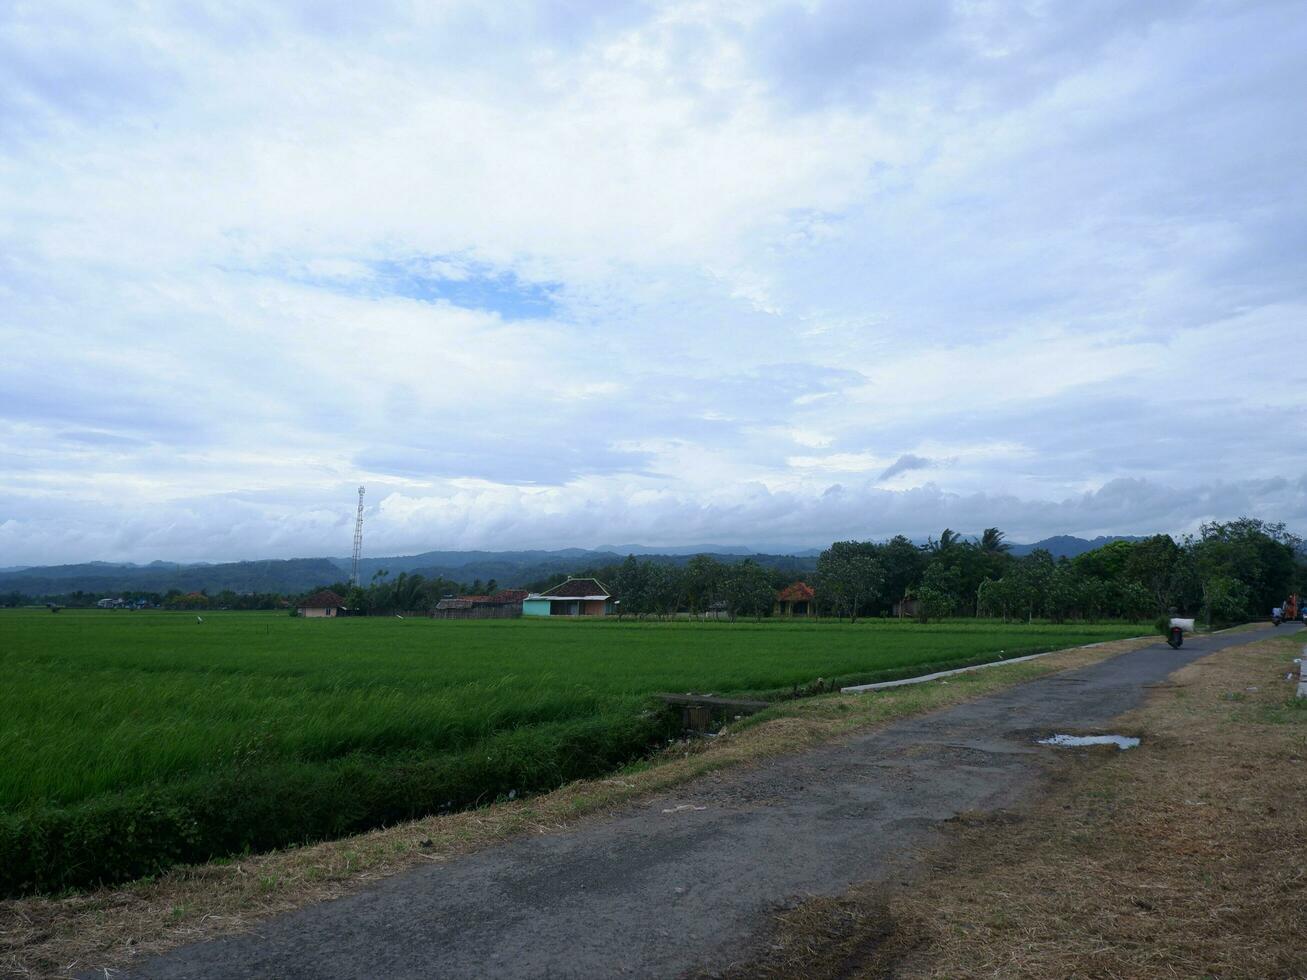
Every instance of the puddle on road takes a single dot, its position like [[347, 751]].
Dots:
[[1075, 741]]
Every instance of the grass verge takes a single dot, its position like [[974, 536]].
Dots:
[[59, 937], [1177, 859]]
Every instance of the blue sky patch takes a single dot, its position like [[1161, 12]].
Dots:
[[453, 280]]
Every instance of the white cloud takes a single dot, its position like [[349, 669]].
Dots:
[[671, 271]]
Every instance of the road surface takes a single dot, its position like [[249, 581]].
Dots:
[[652, 893]]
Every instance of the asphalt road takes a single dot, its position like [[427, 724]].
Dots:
[[652, 893]]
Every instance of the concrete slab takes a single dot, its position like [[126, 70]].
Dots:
[[859, 688]]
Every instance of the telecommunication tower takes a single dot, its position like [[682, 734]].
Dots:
[[358, 542]]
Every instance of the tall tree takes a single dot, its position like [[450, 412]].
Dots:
[[747, 589], [849, 576], [947, 539], [703, 579], [632, 585], [666, 588], [1153, 564], [903, 563], [940, 592], [1261, 556]]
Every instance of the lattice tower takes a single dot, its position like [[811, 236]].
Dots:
[[358, 542]]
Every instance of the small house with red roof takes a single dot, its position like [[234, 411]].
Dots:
[[798, 599], [320, 604], [575, 597]]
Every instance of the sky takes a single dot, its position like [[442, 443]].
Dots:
[[560, 274]]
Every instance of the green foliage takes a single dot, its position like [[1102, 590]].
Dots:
[[1244, 567], [1154, 564], [192, 600], [632, 584], [747, 590], [955, 569], [702, 583], [1231, 572], [849, 576], [1107, 563], [903, 563], [933, 603], [139, 740], [121, 836]]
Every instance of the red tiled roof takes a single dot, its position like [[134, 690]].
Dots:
[[798, 592], [509, 595], [577, 588], [326, 599]]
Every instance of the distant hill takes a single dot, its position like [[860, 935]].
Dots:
[[290, 576], [688, 550], [296, 575], [507, 568], [1067, 546], [470, 564], [517, 568]]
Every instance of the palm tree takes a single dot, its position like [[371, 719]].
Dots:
[[947, 539], [992, 541]]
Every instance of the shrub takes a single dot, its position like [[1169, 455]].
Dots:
[[116, 838]]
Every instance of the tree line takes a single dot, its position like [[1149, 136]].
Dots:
[[169, 599], [1227, 572]]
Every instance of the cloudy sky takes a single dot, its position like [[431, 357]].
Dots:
[[567, 273]]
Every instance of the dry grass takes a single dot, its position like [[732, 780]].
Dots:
[[58, 937], [1178, 859]]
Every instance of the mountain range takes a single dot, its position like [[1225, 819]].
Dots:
[[507, 568], [1067, 546]]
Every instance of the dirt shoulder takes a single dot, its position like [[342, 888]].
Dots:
[[68, 936], [1179, 858]]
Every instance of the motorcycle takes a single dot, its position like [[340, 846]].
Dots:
[[1176, 631]]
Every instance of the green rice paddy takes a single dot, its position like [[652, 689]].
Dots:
[[255, 730]]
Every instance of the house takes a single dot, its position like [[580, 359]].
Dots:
[[798, 599], [575, 597], [907, 607], [324, 603], [504, 604], [508, 601]]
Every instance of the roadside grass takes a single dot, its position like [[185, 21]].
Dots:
[[135, 741], [42, 936], [1175, 859]]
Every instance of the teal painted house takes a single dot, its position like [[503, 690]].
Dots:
[[535, 606], [575, 597]]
